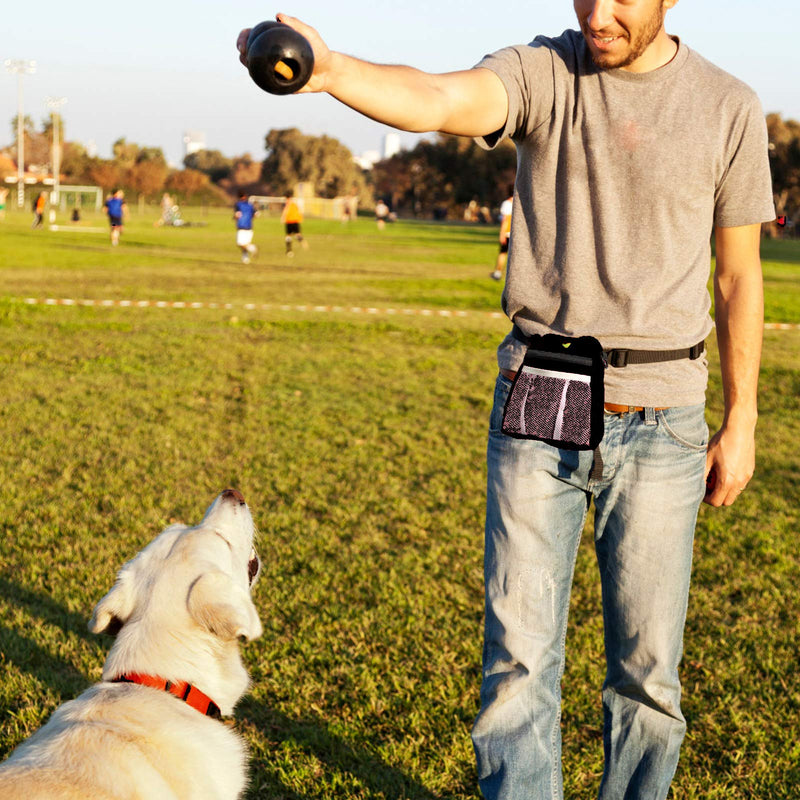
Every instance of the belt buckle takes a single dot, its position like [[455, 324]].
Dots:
[[618, 357]]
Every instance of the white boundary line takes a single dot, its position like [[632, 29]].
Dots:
[[71, 229], [424, 312]]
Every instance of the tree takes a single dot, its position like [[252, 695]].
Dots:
[[187, 182], [151, 154], [322, 161], [7, 167], [147, 177], [784, 160], [49, 123], [75, 162], [446, 174], [106, 174], [211, 162], [245, 171], [28, 128], [37, 145], [125, 153]]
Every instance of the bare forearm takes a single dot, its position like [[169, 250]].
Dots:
[[739, 314]]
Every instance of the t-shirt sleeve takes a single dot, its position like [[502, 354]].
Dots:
[[744, 193], [527, 74]]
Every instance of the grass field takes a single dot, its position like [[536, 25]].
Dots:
[[358, 440]]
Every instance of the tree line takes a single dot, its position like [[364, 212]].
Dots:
[[784, 161], [141, 170], [439, 177]]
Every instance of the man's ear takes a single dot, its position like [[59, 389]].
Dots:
[[113, 611], [222, 607]]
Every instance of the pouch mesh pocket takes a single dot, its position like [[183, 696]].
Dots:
[[550, 405]]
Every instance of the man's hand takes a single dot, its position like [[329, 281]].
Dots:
[[322, 55], [730, 464]]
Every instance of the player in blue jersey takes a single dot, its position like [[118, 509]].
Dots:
[[116, 208], [244, 211]]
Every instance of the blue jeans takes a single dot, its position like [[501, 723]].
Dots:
[[646, 504]]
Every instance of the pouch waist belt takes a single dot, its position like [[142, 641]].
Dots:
[[620, 357]]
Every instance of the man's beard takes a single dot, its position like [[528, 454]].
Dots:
[[637, 45]]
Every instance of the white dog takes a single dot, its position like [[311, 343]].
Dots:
[[151, 729]]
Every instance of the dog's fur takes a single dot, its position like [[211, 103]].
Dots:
[[178, 609]]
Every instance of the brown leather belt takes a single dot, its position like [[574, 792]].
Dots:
[[611, 408]]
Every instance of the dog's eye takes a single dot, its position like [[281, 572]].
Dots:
[[252, 566]]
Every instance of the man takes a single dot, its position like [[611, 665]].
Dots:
[[292, 219], [38, 209], [505, 235], [381, 213], [116, 208], [632, 149], [243, 213]]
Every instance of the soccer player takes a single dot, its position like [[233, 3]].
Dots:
[[244, 212], [505, 235], [292, 219], [116, 209]]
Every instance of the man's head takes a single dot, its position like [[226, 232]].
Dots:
[[627, 34]]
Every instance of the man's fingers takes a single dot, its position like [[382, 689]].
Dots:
[[295, 23], [724, 490], [241, 44]]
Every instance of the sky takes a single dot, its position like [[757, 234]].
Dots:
[[151, 70]]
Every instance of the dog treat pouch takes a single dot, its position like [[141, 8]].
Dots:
[[557, 396]]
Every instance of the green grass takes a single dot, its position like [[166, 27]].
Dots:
[[359, 442]]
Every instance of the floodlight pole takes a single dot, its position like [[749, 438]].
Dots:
[[20, 67], [54, 104]]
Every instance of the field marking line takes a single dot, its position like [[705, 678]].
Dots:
[[62, 228], [371, 310]]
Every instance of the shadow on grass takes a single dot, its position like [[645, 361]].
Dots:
[[335, 761], [334, 758], [33, 658]]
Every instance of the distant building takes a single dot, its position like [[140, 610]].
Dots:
[[367, 159], [193, 141], [91, 148], [391, 145]]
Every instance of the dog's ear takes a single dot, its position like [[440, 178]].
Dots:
[[113, 611], [218, 604]]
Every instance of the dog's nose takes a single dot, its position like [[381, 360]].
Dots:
[[233, 494]]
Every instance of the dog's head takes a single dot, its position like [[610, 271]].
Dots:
[[185, 599]]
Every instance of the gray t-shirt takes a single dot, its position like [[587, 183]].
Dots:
[[621, 178]]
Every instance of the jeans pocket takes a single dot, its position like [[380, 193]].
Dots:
[[502, 388], [685, 425]]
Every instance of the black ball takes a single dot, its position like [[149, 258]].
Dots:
[[279, 59]]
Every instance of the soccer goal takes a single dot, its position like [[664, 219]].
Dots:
[[80, 197]]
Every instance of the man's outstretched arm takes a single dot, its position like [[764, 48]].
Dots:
[[471, 102]]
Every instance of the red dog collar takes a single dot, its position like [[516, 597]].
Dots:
[[182, 690]]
